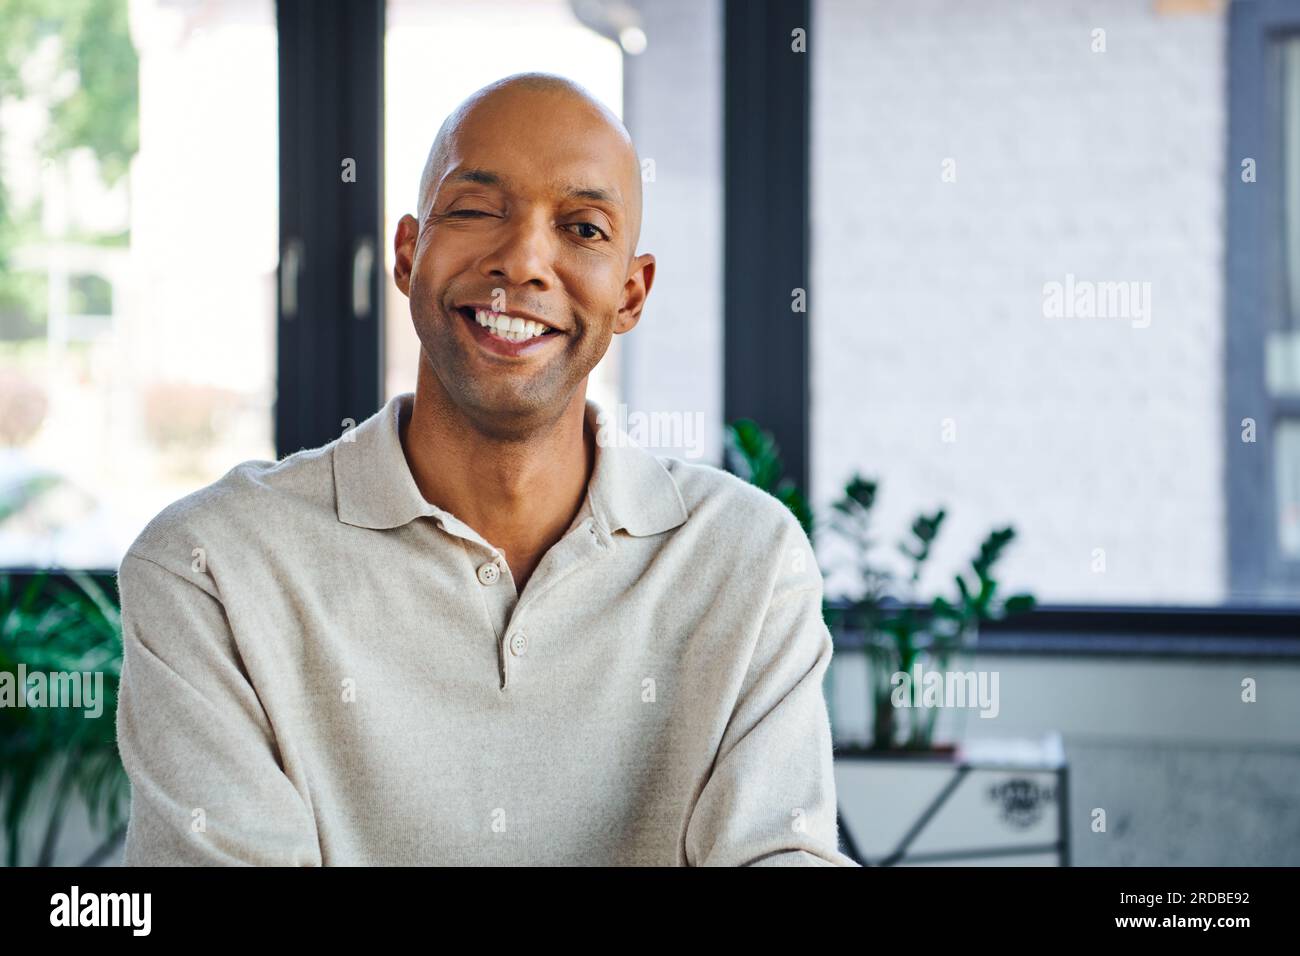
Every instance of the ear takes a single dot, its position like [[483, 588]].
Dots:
[[408, 230], [635, 290]]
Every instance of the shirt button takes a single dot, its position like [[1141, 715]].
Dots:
[[518, 644], [488, 573]]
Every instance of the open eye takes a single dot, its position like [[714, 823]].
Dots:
[[600, 233]]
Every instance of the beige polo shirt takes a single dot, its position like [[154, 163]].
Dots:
[[322, 668]]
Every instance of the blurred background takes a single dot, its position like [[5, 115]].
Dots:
[[1003, 300]]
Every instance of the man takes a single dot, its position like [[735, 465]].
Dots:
[[482, 627]]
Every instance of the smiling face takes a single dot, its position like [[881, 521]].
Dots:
[[530, 207]]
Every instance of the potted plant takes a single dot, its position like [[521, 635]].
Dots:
[[899, 627]]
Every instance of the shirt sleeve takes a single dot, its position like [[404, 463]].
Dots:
[[207, 784], [770, 798]]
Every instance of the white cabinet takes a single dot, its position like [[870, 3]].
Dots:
[[989, 803]]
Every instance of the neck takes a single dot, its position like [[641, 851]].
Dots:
[[520, 492]]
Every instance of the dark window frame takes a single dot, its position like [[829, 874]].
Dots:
[[329, 355], [767, 95], [1156, 632], [766, 144]]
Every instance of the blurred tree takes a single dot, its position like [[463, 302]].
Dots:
[[99, 112], [102, 111]]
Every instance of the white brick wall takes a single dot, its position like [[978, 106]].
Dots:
[[927, 296]]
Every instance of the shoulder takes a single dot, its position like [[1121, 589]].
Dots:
[[751, 525], [719, 496], [253, 503]]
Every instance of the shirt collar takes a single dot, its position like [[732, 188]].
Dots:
[[630, 489]]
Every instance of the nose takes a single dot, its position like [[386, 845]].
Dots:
[[523, 254]]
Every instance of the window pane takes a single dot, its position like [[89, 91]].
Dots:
[[672, 360], [137, 262], [1018, 281]]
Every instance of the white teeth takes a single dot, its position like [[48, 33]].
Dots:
[[508, 327]]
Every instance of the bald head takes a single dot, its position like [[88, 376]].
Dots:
[[568, 103]]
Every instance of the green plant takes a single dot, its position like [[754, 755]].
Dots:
[[899, 626], [755, 457], [50, 626]]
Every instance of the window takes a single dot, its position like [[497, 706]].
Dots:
[[1018, 292], [138, 251]]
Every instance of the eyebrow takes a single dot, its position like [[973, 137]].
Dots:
[[486, 177]]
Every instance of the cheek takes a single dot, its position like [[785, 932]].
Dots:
[[444, 256], [597, 291], [595, 342], [430, 276]]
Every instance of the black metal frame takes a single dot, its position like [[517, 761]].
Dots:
[[766, 118], [766, 347], [329, 358], [1257, 633]]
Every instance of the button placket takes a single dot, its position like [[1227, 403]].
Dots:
[[584, 542]]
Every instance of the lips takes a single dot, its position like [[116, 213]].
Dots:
[[507, 334], [508, 318]]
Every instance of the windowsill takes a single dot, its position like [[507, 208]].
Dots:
[[1138, 631], [1264, 633]]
